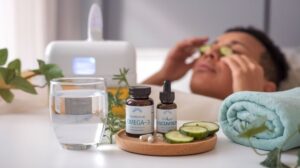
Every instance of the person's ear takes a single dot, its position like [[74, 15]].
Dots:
[[270, 86]]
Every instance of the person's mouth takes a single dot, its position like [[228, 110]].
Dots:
[[204, 67]]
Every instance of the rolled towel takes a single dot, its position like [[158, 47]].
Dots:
[[280, 112]]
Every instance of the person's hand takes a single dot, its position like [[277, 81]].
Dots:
[[246, 73], [175, 66]]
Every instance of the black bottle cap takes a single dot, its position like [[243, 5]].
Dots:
[[140, 91], [167, 96]]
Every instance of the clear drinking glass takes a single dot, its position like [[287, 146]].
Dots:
[[78, 110]]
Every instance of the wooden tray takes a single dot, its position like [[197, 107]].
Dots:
[[161, 148]]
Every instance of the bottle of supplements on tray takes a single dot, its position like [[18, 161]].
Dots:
[[166, 115], [139, 112]]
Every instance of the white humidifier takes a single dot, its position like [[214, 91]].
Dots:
[[94, 57]]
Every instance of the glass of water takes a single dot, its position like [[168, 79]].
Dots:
[[78, 110]]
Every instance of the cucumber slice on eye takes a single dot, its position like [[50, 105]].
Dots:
[[177, 137], [194, 131], [204, 48], [225, 51], [210, 126]]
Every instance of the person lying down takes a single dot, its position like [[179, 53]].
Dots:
[[241, 59]]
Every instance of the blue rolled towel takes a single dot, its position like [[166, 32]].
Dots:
[[280, 111]]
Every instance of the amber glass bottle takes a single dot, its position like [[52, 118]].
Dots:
[[166, 115], [139, 112]]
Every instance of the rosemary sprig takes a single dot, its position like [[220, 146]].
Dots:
[[115, 123], [273, 157], [115, 99], [122, 77]]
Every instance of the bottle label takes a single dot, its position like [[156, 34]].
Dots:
[[166, 120], [139, 119]]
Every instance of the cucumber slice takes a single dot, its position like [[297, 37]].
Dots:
[[177, 137], [225, 51], [210, 126], [204, 48], [194, 131]]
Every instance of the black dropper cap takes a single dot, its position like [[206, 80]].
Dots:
[[167, 97]]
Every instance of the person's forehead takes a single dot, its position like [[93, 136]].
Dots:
[[243, 38]]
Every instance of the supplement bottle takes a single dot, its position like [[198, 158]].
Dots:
[[166, 114], [139, 112]]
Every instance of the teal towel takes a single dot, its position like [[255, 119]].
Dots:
[[280, 111]]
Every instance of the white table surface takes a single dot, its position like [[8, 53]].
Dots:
[[27, 140]]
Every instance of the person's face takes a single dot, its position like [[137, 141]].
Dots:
[[211, 76]]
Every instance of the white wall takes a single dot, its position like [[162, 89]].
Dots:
[[160, 23], [72, 18], [285, 22]]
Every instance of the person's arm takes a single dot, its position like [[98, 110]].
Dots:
[[175, 65], [155, 79], [247, 75]]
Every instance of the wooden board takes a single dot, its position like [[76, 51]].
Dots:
[[161, 148]]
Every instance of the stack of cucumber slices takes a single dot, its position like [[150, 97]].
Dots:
[[192, 131]]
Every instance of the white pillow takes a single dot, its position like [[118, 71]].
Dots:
[[293, 79], [191, 106]]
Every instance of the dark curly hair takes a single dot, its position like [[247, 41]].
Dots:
[[273, 61]]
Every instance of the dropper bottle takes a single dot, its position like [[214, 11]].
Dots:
[[166, 114]]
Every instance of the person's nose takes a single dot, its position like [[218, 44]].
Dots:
[[212, 54]]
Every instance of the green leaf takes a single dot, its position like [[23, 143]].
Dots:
[[121, 78], [253, 131], [41, 67], [52, 71], [23, 84], [273, 160], [45, 68], [3, 56], [2, 73], [110, 100], [7, 95], [41, 63], [7, 74], [16, 66], [36, 71]]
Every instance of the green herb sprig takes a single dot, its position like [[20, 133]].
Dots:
[[273, 159], [11, 76], [115, 123], [122, 77]]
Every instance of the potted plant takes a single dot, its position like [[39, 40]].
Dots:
[[11, 76]]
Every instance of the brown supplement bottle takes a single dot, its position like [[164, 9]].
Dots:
[[139, 112], [166, 115]]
